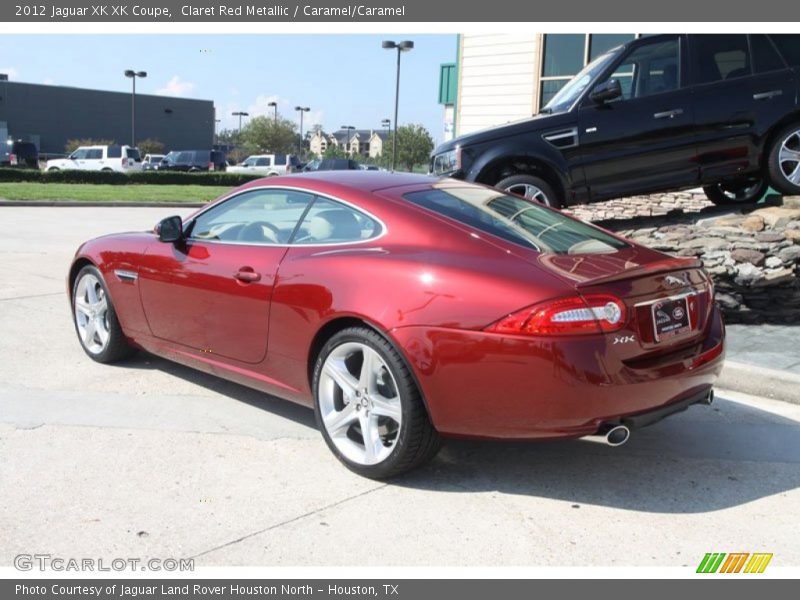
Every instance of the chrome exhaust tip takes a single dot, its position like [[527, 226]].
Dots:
[[610, 435], [708, 400]]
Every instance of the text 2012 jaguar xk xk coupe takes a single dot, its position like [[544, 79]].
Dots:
[[406, 308]]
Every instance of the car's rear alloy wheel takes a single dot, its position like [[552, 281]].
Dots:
[[96, 322], [738, 193], [530, 187], [368, 406], [783, 162]]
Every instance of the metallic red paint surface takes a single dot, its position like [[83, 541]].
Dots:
[[430, 286]]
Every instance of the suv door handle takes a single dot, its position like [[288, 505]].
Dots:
[[668, 114], [767, 95], [247, 275]]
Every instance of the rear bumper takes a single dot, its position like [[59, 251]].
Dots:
[[482, 385]]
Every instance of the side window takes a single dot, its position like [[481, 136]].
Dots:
[[262, 162], [721, 57], [650, 69], [765, 57], [329, 222], [94, 154], [115, 152], [280, 159], [183, 158], [789, 46], [250, 162], [79, 154], [266, 216]]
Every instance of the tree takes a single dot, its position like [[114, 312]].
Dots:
[[265, 134], [334, 152], [73, 145], [150, 146], [414, 147]]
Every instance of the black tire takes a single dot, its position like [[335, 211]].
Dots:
[[53, 169], [417, 441], [117, 347], [107, 170], [778, 176], [516, 184], [723, 194]]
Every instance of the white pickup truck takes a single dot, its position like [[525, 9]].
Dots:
[[267, 165]]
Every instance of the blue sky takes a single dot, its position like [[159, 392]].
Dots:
[[344, 79]]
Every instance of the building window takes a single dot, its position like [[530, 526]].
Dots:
[[567, 53]]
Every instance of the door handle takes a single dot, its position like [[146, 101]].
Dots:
[[767, 95], [247, 275], [668, 114]]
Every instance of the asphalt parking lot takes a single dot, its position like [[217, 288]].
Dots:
[[151, 459]]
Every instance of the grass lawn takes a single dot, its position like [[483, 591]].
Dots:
[[107, 193]]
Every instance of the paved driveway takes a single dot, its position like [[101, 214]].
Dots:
[[150, 459]]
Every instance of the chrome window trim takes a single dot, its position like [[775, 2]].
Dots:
[[384, 229]]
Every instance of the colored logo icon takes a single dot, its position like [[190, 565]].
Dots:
[[735, 562]]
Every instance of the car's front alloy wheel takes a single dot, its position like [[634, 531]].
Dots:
[[96, 323], [368, 406]]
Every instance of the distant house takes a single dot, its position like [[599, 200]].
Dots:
[[355, 142]]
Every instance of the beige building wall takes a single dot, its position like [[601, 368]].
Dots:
[[498, 79]]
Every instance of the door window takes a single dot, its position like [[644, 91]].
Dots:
[[259, 217], [721, 57], [262, 162], [94, 154], [329, 222], [650, 69], [79, 154], [765, 57]]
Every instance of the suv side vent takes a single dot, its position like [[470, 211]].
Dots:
[[563, 138]]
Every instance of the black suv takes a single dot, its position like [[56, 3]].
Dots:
[[659, 113], [19, 154], [193, 160]]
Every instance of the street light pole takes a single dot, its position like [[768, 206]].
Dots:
[[274, 106], [403, 46], [301, 110], [347, 129], [239, 114], [130, 73]]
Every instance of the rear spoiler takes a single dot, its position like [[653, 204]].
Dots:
[[653, 268]]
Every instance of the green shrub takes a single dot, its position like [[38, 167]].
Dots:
[[219, 178]]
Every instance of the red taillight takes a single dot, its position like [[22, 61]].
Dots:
[[12, 159], [210, 166], [593, 313]]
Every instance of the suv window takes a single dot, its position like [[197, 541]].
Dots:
[[115, 152], [94, 154], [79, 154], [183, 158], [650, 69], [789, 45], [514, 219], [254, 217], [280, 159], [262, 162], [721, 57], [765, 57], [134, 154], [329, 222]]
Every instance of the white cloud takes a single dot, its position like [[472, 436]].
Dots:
[[176, 87], [10, 71], [260, 107], [49, 81]]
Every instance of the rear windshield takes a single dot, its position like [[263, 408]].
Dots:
[[134, 154], [515, 219]]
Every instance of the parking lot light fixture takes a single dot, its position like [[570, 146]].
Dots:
[[301, 110], [274, 106], [239, 114], [347, 129], [131, 74], [404, 46]]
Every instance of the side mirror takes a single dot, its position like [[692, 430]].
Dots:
[[170, 229], [606, 91]]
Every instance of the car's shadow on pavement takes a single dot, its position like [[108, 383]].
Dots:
[[706, 459]]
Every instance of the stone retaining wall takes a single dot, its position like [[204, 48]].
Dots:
[[751, 253]]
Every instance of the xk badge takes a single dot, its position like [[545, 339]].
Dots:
[[624, 339]]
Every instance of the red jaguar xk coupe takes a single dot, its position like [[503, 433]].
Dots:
[[406, 308]]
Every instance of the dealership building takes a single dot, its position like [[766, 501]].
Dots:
[[499, 78], [49, 115]]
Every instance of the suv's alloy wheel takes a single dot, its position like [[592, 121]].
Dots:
[[530, 187], [740, 193], [783, 162]]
